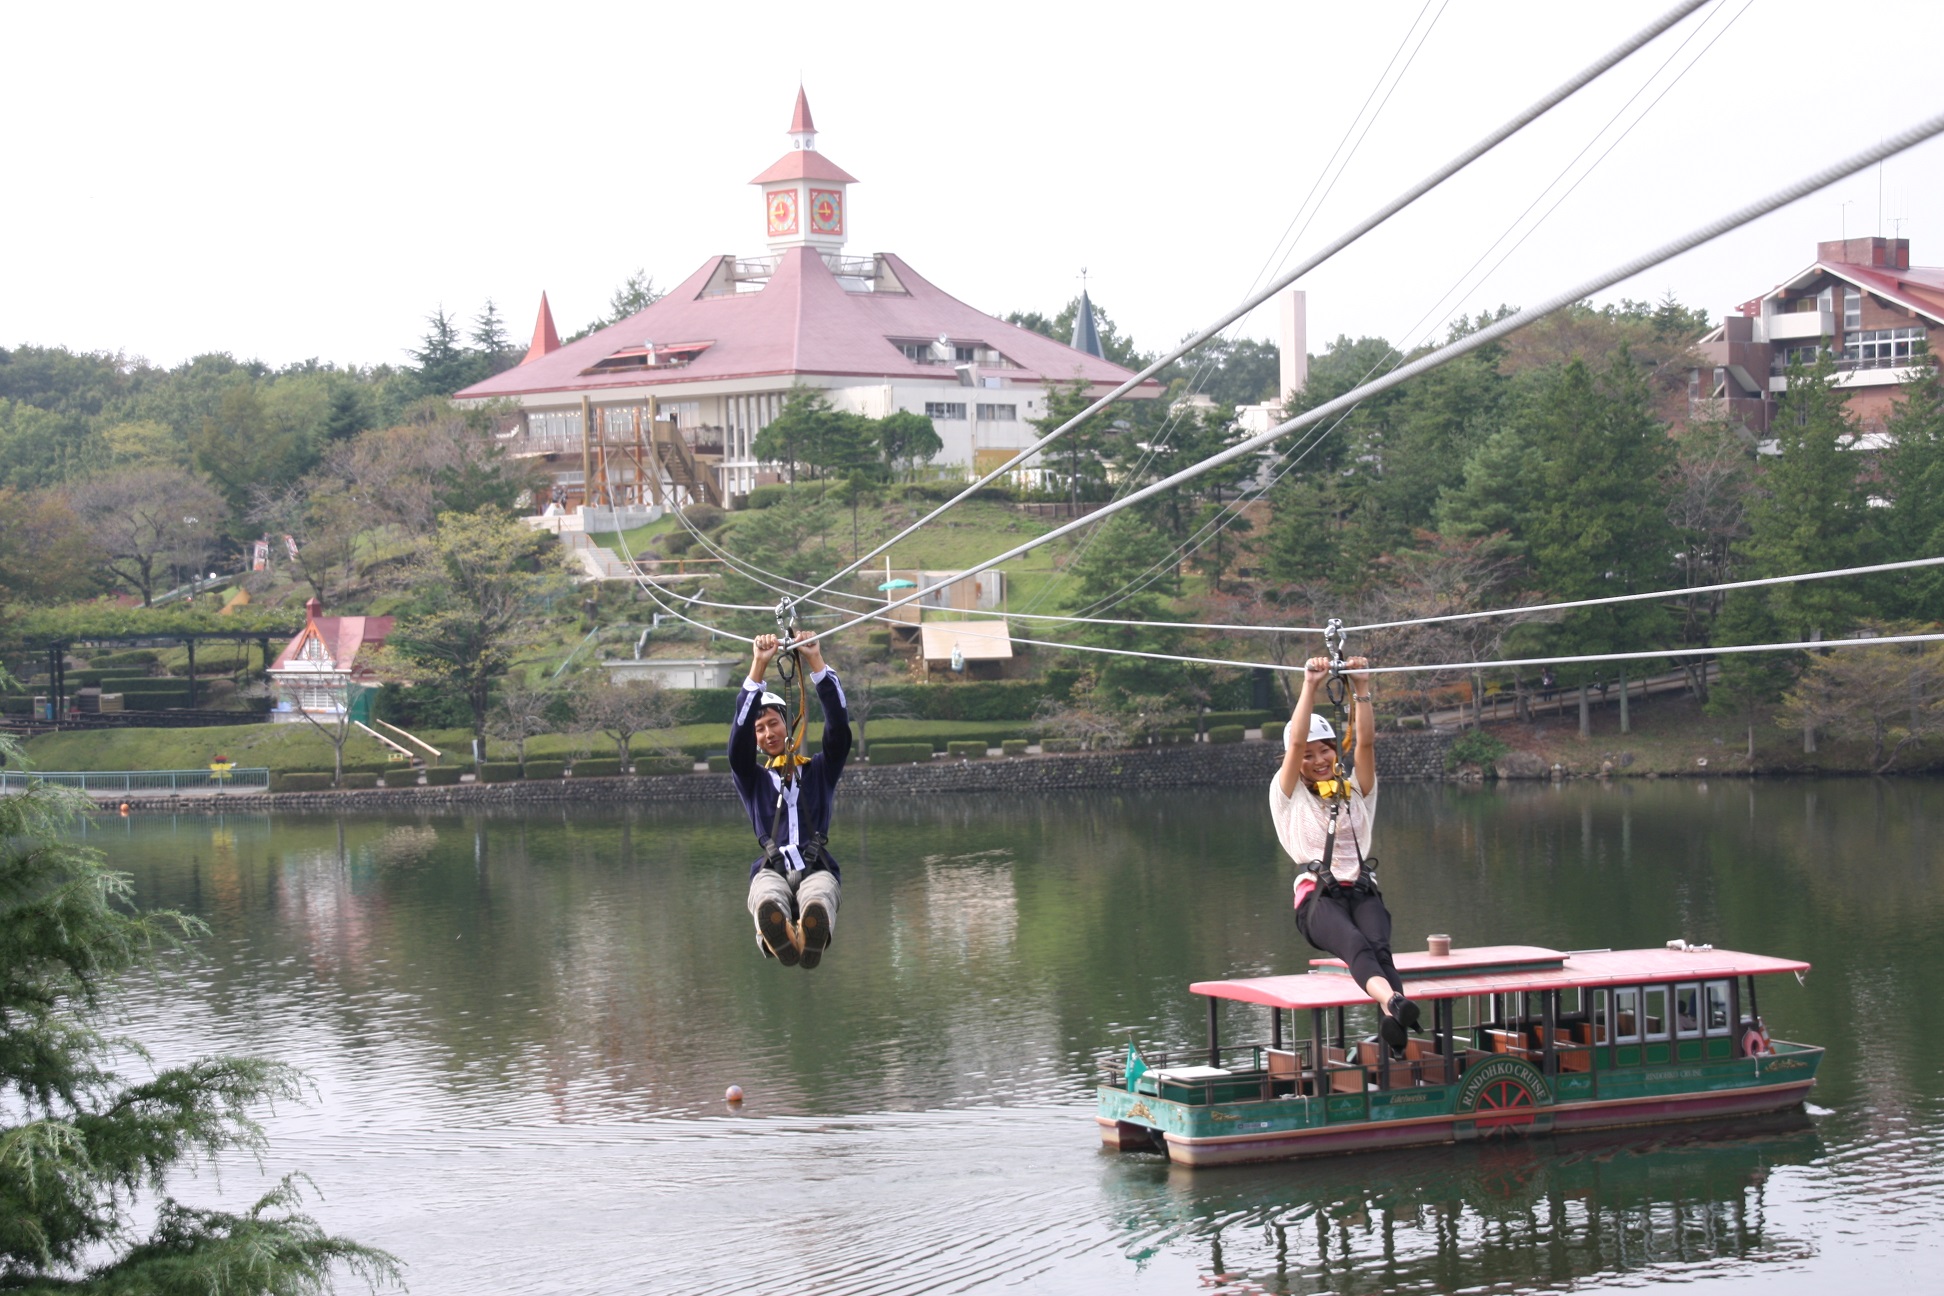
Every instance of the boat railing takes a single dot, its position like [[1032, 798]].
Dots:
[[1297, 1069]]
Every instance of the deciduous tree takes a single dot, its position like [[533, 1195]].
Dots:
[[622, 709], [144, 521]]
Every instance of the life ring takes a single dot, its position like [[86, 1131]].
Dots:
[[1755, 1042]]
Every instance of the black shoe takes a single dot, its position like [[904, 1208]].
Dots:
[[1393, 1032], [773, 921], [816, 933], [1404, 1011]]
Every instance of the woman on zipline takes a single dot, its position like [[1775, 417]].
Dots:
[[1338, 908], [794, 884]]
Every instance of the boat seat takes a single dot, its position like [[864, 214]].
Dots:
[[1512, 1043]]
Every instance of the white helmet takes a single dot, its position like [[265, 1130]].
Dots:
[[1319, 731]]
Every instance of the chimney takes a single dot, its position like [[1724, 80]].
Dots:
[[1293, 318], [1878, 253]]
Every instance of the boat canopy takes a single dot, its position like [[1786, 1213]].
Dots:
[[1498, 969]]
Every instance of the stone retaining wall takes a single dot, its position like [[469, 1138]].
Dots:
[[1407, 757]]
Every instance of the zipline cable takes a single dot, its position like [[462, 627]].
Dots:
[[1296, 454], [1444, 355], [1436, 178]]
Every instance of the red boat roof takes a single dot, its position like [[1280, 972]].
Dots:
[[1494, 969]]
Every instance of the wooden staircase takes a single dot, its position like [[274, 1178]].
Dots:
[[684, 471]]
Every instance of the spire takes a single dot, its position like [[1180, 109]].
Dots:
[[803, 131], [545, 338], [1085, 336]]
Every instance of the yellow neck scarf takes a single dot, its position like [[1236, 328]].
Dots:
[[786, 761], [1332, 787]]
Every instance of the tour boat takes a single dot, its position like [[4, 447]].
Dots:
[[1515, 1040]]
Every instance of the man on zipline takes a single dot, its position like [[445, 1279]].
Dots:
[[794, 884]]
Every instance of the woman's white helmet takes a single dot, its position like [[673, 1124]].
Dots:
[[1320, 730]]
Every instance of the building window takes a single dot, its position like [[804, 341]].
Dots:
[[965, 354], [1804, 355], [916, 352], [1891, 348], [553, 425], [1852, 310], [999, 413], [945, 409]]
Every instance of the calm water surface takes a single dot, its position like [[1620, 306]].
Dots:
[[520, 1027]]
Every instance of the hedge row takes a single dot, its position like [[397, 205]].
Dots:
[[442, 775], [965, 750], [1247, 719], [361, 781], [1014, 746], [660, 765], [301, 781], [598, 767], [1225, 733], [545, 769], [911, 753], [133, 657], [980, 700], [499, 772]]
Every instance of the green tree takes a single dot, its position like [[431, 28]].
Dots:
[[45, 553], [1914, 480], [1114, 345], [1129, 550], [489, 339], [443, 365], [242, 449], [1748, 683], [1599, 519], [481, 585], [791, 437], [1079, 455], [84, 1146], [904, 441]]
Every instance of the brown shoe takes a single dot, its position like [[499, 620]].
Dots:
[[815, 933], [780, 936]]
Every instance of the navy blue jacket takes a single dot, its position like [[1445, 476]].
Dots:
[[816, 783]]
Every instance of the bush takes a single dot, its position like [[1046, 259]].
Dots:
[[442, 775], [877, 638], [301, 781], [592, 767], [155, 701], [360, 781], [645, 765], [1247, 719], [1014, 746], [884, 753], [1059, 746], [499, 772], [762, 497], [133, 657], [545, 769], [1228, 733], [1168, 737], [966, 750], [719, 764], [1475, 747], [676, 543]]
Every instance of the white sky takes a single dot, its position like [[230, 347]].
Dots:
[[285, 181]]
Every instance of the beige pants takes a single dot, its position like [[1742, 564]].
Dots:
[[820, 885]]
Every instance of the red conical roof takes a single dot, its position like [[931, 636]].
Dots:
[[800, 119], [545, 338]]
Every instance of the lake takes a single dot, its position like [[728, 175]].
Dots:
[[520, 1026]]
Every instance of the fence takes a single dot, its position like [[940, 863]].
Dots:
[[165, 781]]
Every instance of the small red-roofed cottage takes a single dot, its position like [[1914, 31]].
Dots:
[[312, 674], [664, 406]]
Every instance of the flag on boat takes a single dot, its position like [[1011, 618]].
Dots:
[[1136, 1068]]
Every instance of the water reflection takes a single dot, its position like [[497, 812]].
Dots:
[[538, 1013], [1522, 1215]]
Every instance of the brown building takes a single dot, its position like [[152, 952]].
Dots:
[[1860, 300]]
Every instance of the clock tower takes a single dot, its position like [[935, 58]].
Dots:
[[806, 200]]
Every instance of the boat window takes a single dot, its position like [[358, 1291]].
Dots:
[[1569, 1001], [1597, 1009], [1655, 1012], [1626, 1013], [1687, 1010], [1717, 1001]]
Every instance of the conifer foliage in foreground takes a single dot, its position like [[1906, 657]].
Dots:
[[83, 1147]]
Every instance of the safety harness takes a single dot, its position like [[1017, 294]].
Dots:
[[789, 669]]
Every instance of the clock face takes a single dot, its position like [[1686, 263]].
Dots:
[[826, 211], [783, 212]]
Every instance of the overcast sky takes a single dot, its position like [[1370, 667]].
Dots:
[[287, 181]]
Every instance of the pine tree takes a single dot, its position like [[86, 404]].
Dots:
[[490, 340], [1914, 481], [1129, 550], [81, 1146]]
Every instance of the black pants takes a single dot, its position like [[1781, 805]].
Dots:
[[1352, 924]]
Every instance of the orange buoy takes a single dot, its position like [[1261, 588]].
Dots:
[[734, 1095]]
